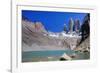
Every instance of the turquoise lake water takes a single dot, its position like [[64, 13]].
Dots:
[[34, 56]]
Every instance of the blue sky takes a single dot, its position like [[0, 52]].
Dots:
[[52, 21]]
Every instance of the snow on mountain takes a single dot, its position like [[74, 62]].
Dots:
[[63, 34], [35, 37]]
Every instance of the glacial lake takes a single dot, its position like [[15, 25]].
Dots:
[[52, 55]]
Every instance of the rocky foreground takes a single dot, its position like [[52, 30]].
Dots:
[[36, 38]]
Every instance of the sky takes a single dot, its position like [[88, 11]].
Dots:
[[53, 21]]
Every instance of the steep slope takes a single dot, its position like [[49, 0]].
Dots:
[[85, 45], [33, 38]]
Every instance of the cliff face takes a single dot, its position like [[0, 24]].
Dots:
[[85, 29], [35, 37]]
